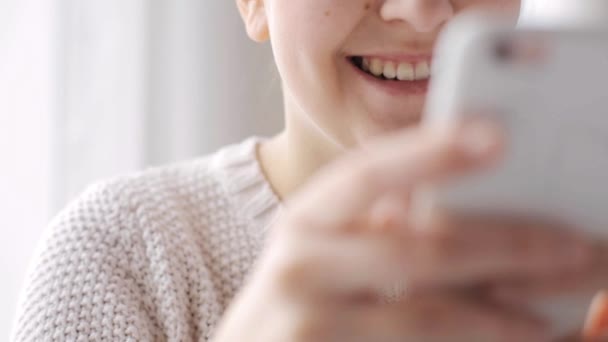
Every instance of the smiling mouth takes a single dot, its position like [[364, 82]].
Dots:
[[387, 70]]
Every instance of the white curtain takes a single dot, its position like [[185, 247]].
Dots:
[[150, 82], [26, 101], [100, 113], [209, 84]]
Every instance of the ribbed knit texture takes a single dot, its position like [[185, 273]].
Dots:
[[153, 256]]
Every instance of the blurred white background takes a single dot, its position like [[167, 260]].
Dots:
[[92, 88]]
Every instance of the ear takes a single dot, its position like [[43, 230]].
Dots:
[[254, 17]]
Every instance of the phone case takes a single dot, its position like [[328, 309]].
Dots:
[[549, 90]]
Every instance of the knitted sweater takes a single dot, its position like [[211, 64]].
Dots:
[[152, 256]]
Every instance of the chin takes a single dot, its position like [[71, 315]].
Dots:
[[378, 128], [391, 122]]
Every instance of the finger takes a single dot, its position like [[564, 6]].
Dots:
[[436, 318], [444, 255], [312, 266], [590, 278], [390, 213], [393, 164], [461, 250]]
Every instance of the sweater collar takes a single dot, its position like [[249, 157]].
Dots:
[[247, 185]]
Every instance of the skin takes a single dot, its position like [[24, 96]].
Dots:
[[320, 125], [346, 165], [318, 278]]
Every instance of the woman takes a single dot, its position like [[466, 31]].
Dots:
[[307, 236]]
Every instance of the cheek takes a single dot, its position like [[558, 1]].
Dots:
[[308, 37], [325, 24]]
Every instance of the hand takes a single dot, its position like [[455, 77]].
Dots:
[[350, 233], [582, 282]]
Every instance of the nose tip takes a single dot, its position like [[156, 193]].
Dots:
[[421, 15]]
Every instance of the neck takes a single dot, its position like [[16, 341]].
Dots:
[[292, 157]]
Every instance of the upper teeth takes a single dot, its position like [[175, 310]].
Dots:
[[402, 71]]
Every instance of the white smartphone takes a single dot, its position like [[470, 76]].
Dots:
[[549, 90]]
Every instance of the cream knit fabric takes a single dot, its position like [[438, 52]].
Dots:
[[153, 256]]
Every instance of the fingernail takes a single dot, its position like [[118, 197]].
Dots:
[[479, 138]]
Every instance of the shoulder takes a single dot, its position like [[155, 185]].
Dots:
[[185, 196], [121, 203], [129, 248], [202, 184]]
